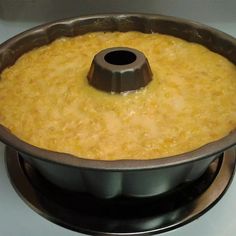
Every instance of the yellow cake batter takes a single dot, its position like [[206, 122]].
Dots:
[[45, 99]]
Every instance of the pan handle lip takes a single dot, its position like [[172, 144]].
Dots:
[[116, 17]]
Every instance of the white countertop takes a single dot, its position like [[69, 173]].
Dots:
[[18, 219]]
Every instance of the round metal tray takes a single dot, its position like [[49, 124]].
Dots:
[[121, 216]]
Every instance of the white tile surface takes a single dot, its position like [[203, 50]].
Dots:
[[16, 219]]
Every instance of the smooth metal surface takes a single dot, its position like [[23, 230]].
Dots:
[[119, 69], [108, 184]]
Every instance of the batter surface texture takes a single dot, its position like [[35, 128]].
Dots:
[[45, 99]]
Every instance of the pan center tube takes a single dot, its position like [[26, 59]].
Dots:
[[119, 69]]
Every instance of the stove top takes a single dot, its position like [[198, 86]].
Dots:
[[85, 213], [16, 218]]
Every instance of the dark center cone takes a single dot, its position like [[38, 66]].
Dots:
[[119, 69]]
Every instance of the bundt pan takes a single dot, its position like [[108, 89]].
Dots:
[[131, 178]]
